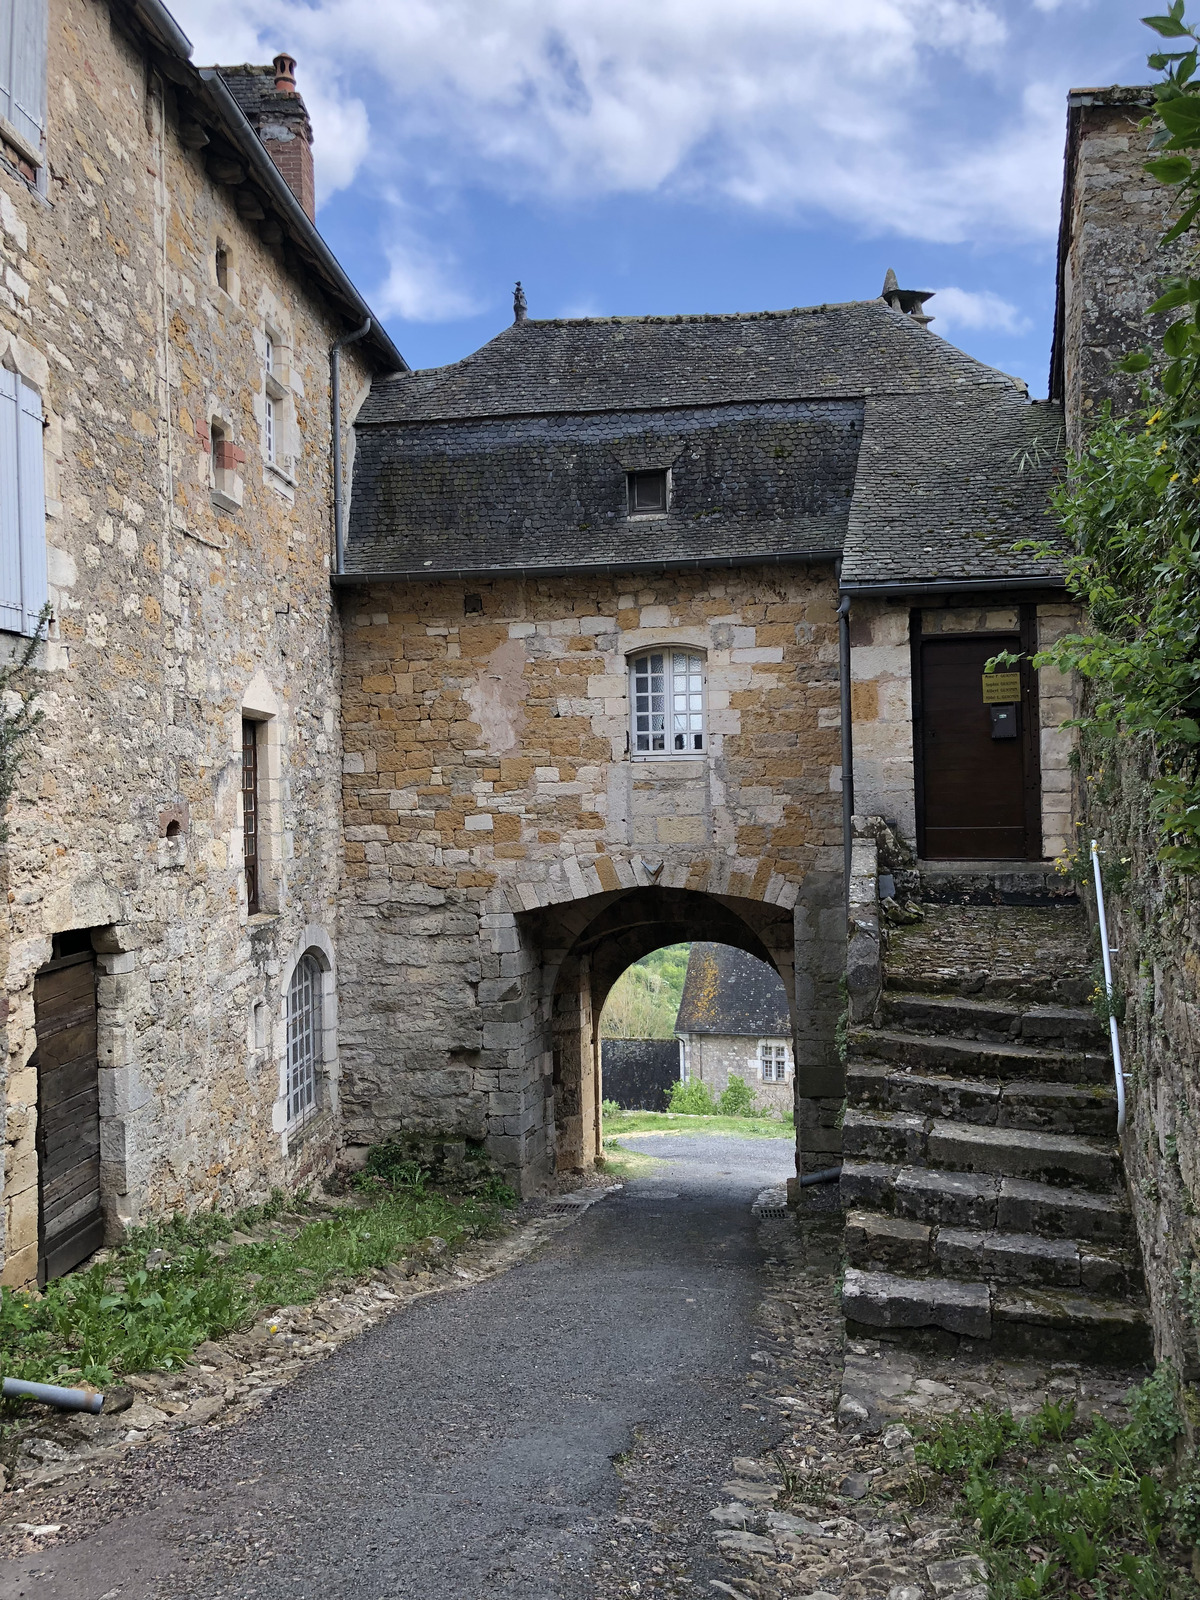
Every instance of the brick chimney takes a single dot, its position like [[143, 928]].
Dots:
[[278, 115]]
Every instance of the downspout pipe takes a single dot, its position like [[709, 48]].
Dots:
[[843, 615], [335, 404]]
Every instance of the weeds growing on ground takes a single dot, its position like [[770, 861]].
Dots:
[[1060, 1513], [172, 1285]]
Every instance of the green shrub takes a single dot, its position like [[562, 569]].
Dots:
[[738, 1099], [609, 1108], [692, 1099]]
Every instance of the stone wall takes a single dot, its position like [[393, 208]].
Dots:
[[493, 816], [174, 614], [711, 1057], [1111, 265]]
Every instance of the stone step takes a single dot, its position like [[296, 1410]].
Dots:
[[880, 1242], [974, 1058], [995, 1021], [985, 1201], [1053, 1107], [1015, 1320], [911, 1138]]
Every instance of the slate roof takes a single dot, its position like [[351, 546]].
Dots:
[[513, 460], [728, 991]]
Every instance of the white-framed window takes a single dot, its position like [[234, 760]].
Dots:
[[772, 1061], [23, 581], [305, 1038], [666, 697], [275, 403]]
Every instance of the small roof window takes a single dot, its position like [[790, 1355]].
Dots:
[[647, 492]]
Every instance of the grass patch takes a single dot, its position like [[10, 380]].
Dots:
[[619, 1122], [170, 1286], [1064, 1513], [623, 1164]]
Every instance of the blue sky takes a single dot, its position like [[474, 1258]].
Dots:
[[658, 156]]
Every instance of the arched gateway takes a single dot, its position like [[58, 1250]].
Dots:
[[591, 696]]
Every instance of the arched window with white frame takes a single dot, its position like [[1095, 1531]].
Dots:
[[305, 1039], [666, 698]]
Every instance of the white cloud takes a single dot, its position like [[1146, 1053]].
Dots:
[[422, 285], [788, 106], [976, 308]]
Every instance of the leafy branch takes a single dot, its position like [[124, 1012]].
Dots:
[[19, 713]]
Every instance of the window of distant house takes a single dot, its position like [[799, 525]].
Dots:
[[222, 266], [304, 1035], [251, 810], [647, 493], [772, 1061], [666, 693]]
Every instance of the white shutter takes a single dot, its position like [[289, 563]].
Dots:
[[10, 507], [31, 469], [23, 67]]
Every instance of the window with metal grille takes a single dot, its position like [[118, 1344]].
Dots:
[[250, 809], [647, 493], [772, 1059], [23, 587], [666, 692], [303, 1038]]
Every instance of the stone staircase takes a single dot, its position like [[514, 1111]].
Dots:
[[981, 1180]]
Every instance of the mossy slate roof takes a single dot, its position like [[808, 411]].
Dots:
[[729, 991], [790, 435]]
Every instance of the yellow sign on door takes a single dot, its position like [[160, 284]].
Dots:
[[1001, 688]]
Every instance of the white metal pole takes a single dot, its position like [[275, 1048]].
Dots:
[[1119, 1075]]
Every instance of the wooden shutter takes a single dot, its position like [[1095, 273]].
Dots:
[[31, 470], [10, 505], [23, 587], [68, 1126], [23, 68]]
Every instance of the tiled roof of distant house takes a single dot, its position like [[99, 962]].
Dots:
[[728, 991]]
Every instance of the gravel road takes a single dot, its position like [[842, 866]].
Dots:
[[471, 1445]]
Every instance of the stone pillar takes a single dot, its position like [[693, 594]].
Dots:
[[820, 958]]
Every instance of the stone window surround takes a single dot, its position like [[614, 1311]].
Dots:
[[279, 469], [260, 705], [225, 483], [667, 647], [789, 1065], [232, 288], [315, 941]]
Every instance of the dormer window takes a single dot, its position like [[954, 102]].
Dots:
[[648, 493]]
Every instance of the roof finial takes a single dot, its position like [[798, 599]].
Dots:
[[909, 301], [520, 304]]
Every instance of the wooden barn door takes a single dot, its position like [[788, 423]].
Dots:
[[71, 1225], [978, 790]]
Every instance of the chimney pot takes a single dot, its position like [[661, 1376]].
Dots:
[[285, 74]]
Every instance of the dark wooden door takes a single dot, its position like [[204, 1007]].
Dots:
[[68, 1126], [977, 786]]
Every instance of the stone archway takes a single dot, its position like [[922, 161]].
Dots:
[[584, 947]]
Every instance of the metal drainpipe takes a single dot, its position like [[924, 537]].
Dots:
[[843, 613], [335, 402]]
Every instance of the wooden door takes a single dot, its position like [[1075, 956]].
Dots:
[[977, 778], [71, 1225]]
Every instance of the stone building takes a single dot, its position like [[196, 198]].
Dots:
[[734, 1019], [321, 837], [592, 594], [167, 316]]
